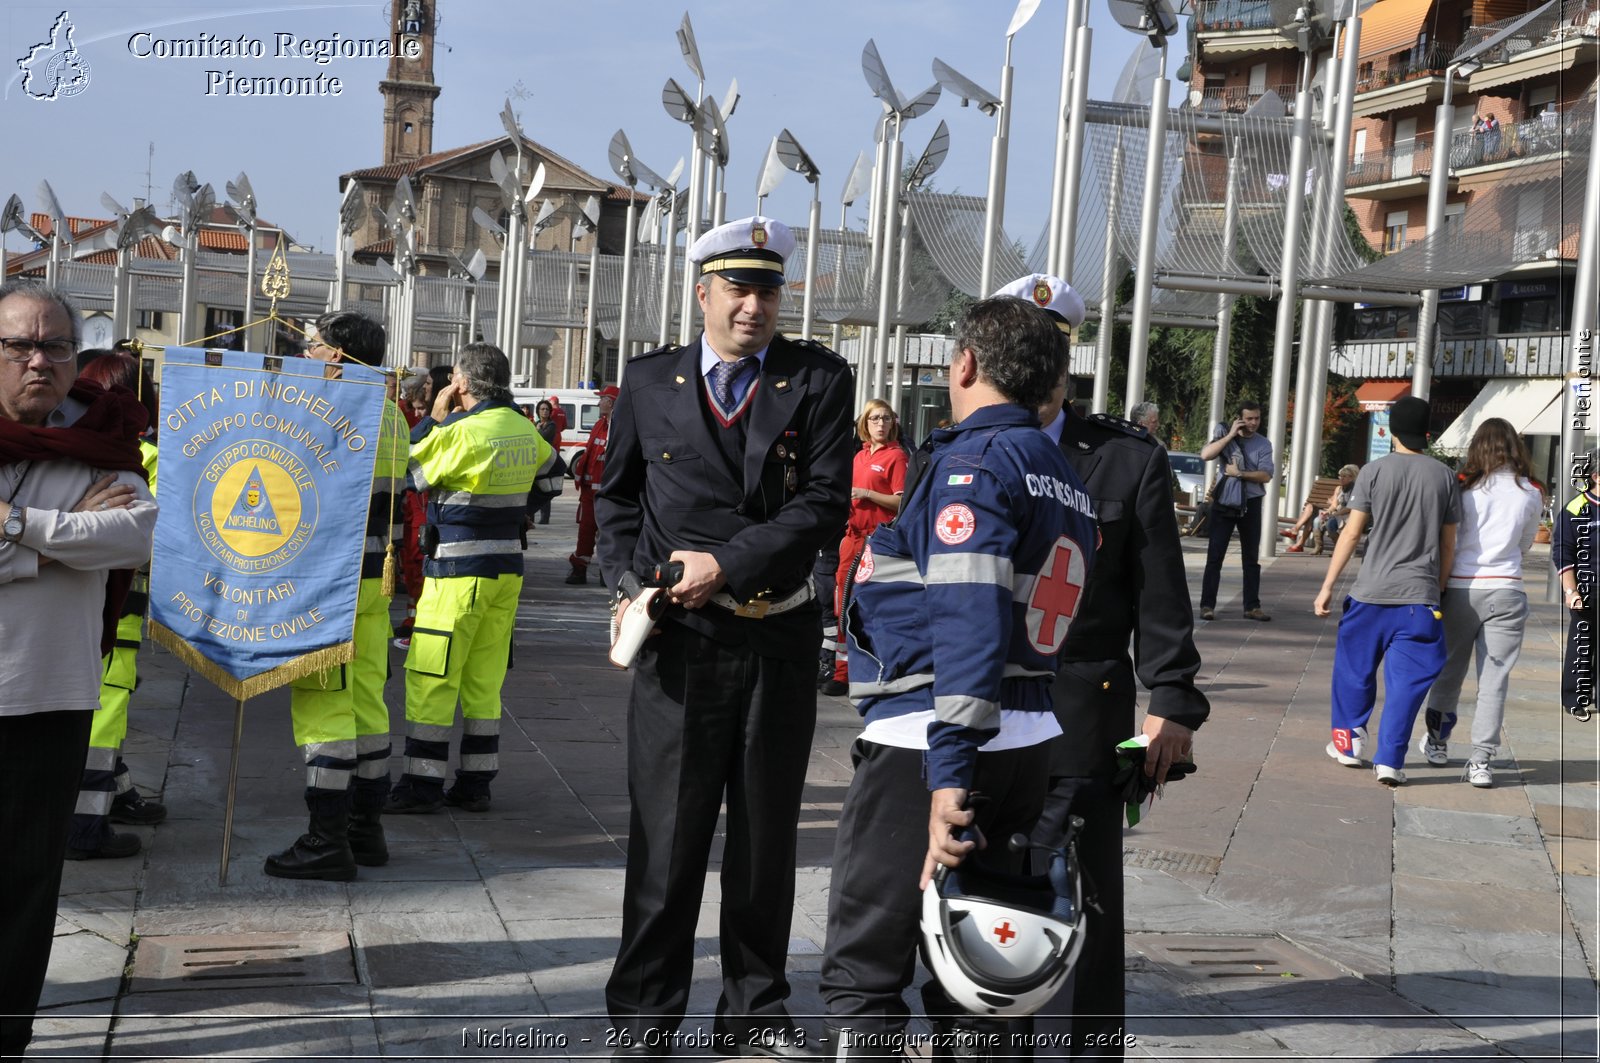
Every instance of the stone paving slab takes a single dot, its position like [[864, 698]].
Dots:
[[1464, 920]]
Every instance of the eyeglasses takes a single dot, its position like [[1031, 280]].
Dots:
[[880, 417], [20, 349]]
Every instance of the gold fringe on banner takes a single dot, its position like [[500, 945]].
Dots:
[[243, 689]]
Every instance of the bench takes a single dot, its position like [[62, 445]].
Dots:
[[1322, 489]]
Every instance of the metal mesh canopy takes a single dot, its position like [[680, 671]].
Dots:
[[1531, 214], [843, 293], [951, 228]]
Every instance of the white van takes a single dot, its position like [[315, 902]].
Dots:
[[581, 406]]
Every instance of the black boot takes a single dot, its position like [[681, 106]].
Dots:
[[367, 798], [367, 843], [324, 850], [578, 575]]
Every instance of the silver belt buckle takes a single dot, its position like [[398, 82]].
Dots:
[[754, 609]]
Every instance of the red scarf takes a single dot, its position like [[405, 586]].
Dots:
[[105, 437]]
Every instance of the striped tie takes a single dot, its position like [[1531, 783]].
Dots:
[[723, 374]]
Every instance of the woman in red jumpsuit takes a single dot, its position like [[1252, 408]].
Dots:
[[876, 482]]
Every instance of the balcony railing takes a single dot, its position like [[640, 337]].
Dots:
[[1546, 134], [1238, 98], [1575, 18], [1404, 66], [1215, 15], [1396, 164]]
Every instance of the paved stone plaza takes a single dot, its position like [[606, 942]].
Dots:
[[1280, 906]]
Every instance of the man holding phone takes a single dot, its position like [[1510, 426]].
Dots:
[[1236, 503]]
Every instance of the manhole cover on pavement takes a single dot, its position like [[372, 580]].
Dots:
[[1201, 957], [1171, 860], [205, 961]]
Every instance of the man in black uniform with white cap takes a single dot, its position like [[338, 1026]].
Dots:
[[731, 456], [1137, 588]]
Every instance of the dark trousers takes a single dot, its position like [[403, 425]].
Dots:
[[1221, 527], [1578, 662], [709, 722], [874, 906], [41, 764], [1090, 1006]]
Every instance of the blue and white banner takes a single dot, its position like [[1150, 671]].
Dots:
[[266, 476]]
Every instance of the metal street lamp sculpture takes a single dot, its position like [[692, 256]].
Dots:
[[1156, 21], [898, 109], [352, 213], [60, 234], [13, 219], [242, 204], [195, 202], [131, 227], [792, 155], [998, 108], [628, 167]]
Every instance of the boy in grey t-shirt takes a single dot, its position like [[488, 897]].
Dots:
[[1412, 504]]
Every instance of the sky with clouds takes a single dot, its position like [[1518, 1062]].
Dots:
[[576, 72]]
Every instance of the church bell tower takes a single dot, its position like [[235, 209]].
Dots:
[[409, 89]]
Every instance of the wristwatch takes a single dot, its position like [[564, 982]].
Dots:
[[14, 524]]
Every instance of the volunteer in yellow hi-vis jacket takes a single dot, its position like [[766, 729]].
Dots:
[[341, 722], [476, 454]]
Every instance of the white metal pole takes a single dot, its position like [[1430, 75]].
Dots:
[[669, 250], [627, 288], [1289, 287], [691, 230], [1058, 172], [1149, 218], [891, 217], [898, 365], [813, 234], [1076, 131], [590, 342], [1224, 337], [1438, 192], [1108, 285], [995, 209]]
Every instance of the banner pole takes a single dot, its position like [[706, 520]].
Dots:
[[233, 786]]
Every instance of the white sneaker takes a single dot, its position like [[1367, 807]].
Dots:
[[1479, 774], [1389, 776], [1434, 751], [1358, 746]]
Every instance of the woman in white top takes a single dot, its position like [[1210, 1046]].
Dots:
[[1485, 606]]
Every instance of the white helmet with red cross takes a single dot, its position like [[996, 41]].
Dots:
[[1003, 945]]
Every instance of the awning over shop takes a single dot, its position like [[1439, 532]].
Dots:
[[1381, 394], [1532, 406]]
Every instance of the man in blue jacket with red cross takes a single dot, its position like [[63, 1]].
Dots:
[[959, 609]]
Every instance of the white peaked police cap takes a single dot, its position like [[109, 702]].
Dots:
[[1051, 294], [747, 251]]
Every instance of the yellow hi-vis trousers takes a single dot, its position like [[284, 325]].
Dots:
[[340, 719], [104, 774], [460, 650]]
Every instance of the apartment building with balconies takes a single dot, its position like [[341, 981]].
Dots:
[[1523, 124]]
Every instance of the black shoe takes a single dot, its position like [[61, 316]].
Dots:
[[132, 807], [652, 1044], [775, 1043], [313, 856], [833, 688], [114, 847], [367, 843], [1207, 613], [578, 576], [406, 803], [467, 803]]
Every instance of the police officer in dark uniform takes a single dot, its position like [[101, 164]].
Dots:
[[1130, 480], [732, 456]]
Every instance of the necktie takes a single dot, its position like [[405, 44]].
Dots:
[[723, 374]]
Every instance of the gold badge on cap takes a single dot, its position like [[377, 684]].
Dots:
[[758, 235], [1041, 293]]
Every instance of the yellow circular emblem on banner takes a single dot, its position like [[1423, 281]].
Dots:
[[259, 511]]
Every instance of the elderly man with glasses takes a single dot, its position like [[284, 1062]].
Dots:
[[73, 508]]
